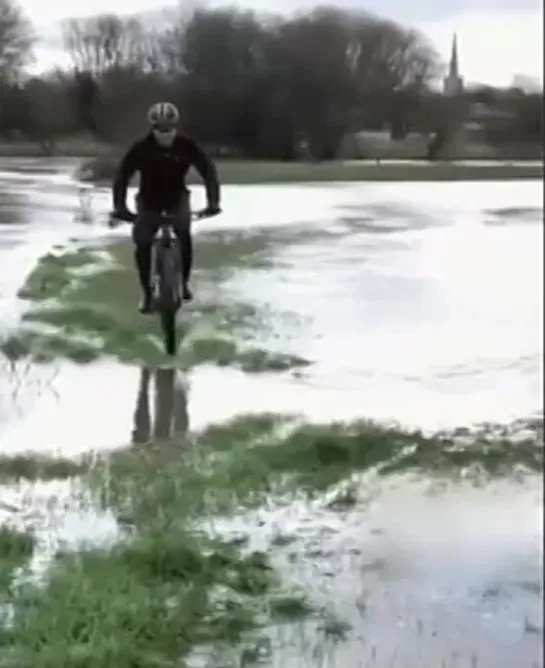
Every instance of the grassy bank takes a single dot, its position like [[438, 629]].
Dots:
[[100, 170], [71, 147], [251, 460], [99, 165], [84, 304]]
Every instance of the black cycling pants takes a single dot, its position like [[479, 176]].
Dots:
[[144, 230]]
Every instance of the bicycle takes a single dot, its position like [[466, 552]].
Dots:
[[166, 273]]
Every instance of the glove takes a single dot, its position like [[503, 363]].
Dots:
[[211, 210], [123, 214]]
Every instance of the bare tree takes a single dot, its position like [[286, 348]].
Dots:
[[318, 80], [214, 57], [388, 57], [167, 42], [16, 40], [100, 43], [248, 84], [125, 95]]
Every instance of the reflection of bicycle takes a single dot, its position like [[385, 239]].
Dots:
[[85, 211], [166, 274], [170, 407]]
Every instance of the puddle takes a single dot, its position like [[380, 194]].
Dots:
[[60, 514], [63, 507], [59, 422], [124, 403]]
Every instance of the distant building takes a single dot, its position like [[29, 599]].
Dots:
[[453, 84], [527, 84]]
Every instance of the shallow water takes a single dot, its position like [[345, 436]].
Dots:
[[61, 514], [421, 574], [421, 303]]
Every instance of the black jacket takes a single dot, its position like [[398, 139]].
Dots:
[[162, 173]]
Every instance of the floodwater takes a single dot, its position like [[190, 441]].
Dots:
[[416, 302]]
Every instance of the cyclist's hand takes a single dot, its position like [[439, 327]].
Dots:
[[113, 219], [210, 211], [121, 215]]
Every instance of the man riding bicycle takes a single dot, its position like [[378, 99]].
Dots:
[[163, 158]]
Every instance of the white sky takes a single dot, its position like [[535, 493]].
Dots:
[[494, 46]]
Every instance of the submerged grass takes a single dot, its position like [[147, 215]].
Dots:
[[82, 315], [143, 604], [246, 460], [169, 586], [54, 273]]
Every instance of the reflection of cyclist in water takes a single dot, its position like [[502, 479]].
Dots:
[[171, 417]]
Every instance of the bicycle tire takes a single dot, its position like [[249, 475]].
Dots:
[[170, 299], [168, 325], [169, 281]]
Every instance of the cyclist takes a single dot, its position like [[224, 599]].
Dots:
[[163, 158]]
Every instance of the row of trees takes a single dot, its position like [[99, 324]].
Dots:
[[253, 85]]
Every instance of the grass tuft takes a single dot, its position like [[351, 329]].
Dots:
[[16, 548], [15, 544], [143, 604]]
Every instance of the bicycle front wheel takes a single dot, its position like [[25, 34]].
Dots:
[[168, 325], [169, 297]]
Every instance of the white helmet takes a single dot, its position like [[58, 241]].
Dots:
[[163, 113]]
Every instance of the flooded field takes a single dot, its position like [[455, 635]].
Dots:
[[418, 305]]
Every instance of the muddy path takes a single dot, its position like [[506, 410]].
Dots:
[[415, 303]]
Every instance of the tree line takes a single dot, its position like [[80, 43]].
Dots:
[[252, 85]]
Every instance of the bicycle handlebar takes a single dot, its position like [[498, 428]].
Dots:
[[130, 217]]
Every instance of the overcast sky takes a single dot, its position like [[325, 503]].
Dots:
[[497, 39]]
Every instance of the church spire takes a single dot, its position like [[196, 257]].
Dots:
[[453, 68], [453, 84]]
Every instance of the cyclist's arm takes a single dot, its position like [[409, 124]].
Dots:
[[207, 170], [125, 171]]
